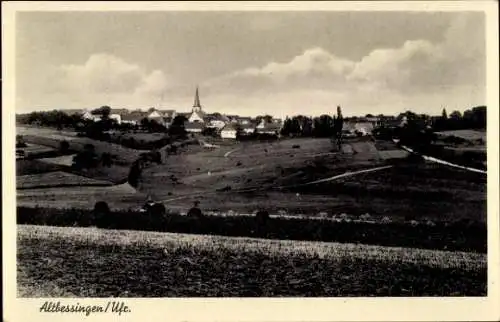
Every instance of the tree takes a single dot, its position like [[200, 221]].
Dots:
[[104, 111], [177, 126], [102, 215], [145, 123], [455, 115], [444, 114], [267, 118], [338, 124], [64, 146], [134, 175], [20, 143], [106, 159], [87, 158]]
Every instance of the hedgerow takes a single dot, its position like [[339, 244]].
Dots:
[[460, 235]]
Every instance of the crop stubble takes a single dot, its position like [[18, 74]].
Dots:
[[146, 264]]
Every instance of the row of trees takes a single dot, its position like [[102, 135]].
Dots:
[[322, 126], [474, 118]]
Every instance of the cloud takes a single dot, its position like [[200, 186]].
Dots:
[[416, 67], [107, 74], [315, 68], [418, 74]]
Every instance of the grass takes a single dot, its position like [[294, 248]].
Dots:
[[52, 138], [30, 167], [470, 135], [98, 263], [56, 179], [417, 191]]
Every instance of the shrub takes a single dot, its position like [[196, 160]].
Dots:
[[195, 212], [296, 146], [261, 217], [102, 215], [64, 146]]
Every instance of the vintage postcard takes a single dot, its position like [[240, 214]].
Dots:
[[250, 161]]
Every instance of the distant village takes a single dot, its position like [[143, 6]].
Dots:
[[235, 126], [195, 121], [227, 126]]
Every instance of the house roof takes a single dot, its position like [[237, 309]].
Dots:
[[193, 125], [74, 111], [230, 127], [269, 127], [201, 114], [134, 116], [244, 118], [120, 111], [247, 126], [167, 113], [185, 114], [351, 126]]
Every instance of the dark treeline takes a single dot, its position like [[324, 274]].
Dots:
[[462, 235], [474, 118], [322, 126]]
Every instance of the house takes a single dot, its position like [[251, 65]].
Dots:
[[154, 114], [194, 127], [133, 118], [116, 117], [87, 115], [119, 111], [247, 128], [163, 117], [244, 120], [229, 131], [216, 121], [168, 116], [353, 127], [268, 127]]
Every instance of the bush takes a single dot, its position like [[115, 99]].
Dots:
[[296, 146], [195, 212], [64, 146], [102, 215], [261, 217]]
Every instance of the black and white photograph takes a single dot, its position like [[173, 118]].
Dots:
[[251, 153]]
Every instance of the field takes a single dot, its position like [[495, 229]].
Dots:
[[27, 167], [52, 138], [249, 176], [384, 225], [166, 265], [469, 135], [56, 179], [263, 175]]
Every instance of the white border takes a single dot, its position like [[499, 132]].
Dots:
[[299, 309]]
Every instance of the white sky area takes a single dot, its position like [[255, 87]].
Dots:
[[251, 63]]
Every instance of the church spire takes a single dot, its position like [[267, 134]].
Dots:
[[197, 104]]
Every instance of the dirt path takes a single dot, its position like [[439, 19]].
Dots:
[[453, 165], [229, 152]]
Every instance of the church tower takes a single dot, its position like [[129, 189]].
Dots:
[[197, 105]]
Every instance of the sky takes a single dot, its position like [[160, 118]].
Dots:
[[252, 63]]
